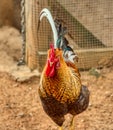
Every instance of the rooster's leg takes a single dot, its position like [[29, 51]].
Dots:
[[60, 128], [72, 124]]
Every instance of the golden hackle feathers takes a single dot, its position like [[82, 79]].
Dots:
[[65, 86]]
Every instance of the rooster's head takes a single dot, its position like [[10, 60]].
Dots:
[[53, 62]]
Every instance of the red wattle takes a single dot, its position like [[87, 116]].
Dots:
[[48, 68], [52, 63], [50, 71]]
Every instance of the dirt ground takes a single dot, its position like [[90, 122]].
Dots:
[[20, 107]]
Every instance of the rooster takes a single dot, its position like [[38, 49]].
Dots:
[[60, 89]]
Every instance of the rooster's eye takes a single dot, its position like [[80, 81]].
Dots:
[[58, 56]]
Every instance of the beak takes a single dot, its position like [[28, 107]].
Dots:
[[51, 63]]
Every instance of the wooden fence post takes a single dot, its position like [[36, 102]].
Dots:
[[32, 11]]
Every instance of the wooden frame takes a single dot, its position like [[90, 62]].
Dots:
[[88, 57]]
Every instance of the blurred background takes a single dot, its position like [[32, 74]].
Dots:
[[90, 33]]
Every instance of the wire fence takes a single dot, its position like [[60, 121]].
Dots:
[[90, 29]]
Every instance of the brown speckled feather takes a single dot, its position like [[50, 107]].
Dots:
[[65, 86], [62, 93]]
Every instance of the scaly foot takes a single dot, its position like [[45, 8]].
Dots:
[[60, 128], [72, 124]]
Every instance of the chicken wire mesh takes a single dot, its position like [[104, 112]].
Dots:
[[90, 29]]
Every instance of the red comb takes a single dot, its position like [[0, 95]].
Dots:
[[52, 46], [52, 49]]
